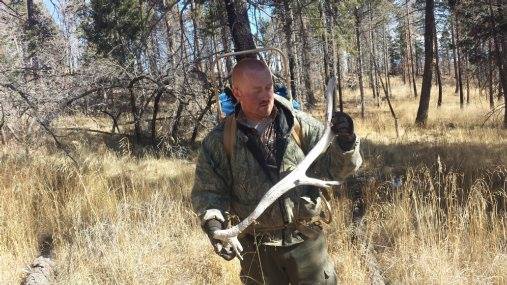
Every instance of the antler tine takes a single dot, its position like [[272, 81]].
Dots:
[[295, 178]]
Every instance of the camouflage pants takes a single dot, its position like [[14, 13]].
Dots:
[[303, 263]]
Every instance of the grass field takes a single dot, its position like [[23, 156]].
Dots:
[[116, 219]]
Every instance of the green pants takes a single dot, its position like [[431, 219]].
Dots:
[[303, 263]]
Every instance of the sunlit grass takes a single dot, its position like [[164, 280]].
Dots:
[[121, 220]]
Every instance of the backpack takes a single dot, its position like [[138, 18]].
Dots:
[[227, 101]]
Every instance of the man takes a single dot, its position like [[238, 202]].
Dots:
[[287, 244]]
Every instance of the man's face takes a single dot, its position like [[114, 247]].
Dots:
[[254, 92]]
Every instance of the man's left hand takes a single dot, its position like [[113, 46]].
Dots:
[[343, 127]]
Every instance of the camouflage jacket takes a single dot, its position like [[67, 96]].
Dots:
[[236, 186]]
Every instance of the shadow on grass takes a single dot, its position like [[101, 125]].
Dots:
[[450, 171]]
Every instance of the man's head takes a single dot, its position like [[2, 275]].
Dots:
[[252, 86]]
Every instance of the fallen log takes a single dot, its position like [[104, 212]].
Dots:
[[42, 269]]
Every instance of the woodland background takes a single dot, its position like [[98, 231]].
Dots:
[[103, 105]]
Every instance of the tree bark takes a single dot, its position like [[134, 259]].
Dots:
[[454, 55], [437, 63], [467, 77], [329, 11], [156, 108], [196, 51], [239, 25], [422, 112], [31, 60], [175, 121], [459, 63], [386, 61], [310, 97], [359, 60], [224, 37], [490, 77], [373, 74], [501, 55], [391, 109], [288, 18], [135, 115], [325, 39], [409, 41]]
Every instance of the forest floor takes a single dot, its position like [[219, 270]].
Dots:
[[116, 219]]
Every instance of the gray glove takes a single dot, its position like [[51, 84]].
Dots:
[[226, 252], [343, 127]]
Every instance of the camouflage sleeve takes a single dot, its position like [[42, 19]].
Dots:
[[335, 163], [211, 191]]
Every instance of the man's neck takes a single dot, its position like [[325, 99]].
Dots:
[[256, 123]]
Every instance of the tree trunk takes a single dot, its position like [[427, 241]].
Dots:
[[239, 25], [196, 36], [467, 77], [288, 18], [490, 77], [169, 37], [359, 60], [135, 115], [175, 121], [224, 36], [207, 108], [409, 40], [31, 60], [459, 63], [310, 97], [454, 55], [331, 44], [437, 64], [156, 108], [375, 85], [503, 75], [422, 112], [386, 61], [337, 57], [325, 39], [501, 55]]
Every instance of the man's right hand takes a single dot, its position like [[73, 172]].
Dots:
[[210, 227]]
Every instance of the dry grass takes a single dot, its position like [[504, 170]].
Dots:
[[120, 220]]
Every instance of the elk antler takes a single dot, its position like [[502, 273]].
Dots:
[[295, 178]]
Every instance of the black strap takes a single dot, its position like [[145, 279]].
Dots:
[[252, 144]]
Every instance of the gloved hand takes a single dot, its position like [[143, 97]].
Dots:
[[226, 251], [343, 127]]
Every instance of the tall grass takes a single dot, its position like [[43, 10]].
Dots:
[[120, 220]]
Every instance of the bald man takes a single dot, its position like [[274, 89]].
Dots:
[[287, 244]]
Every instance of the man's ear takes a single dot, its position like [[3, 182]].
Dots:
[[236, 93]]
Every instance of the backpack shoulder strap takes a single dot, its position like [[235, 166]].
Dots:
[[230, 128], [297, 133], [229, 139]]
